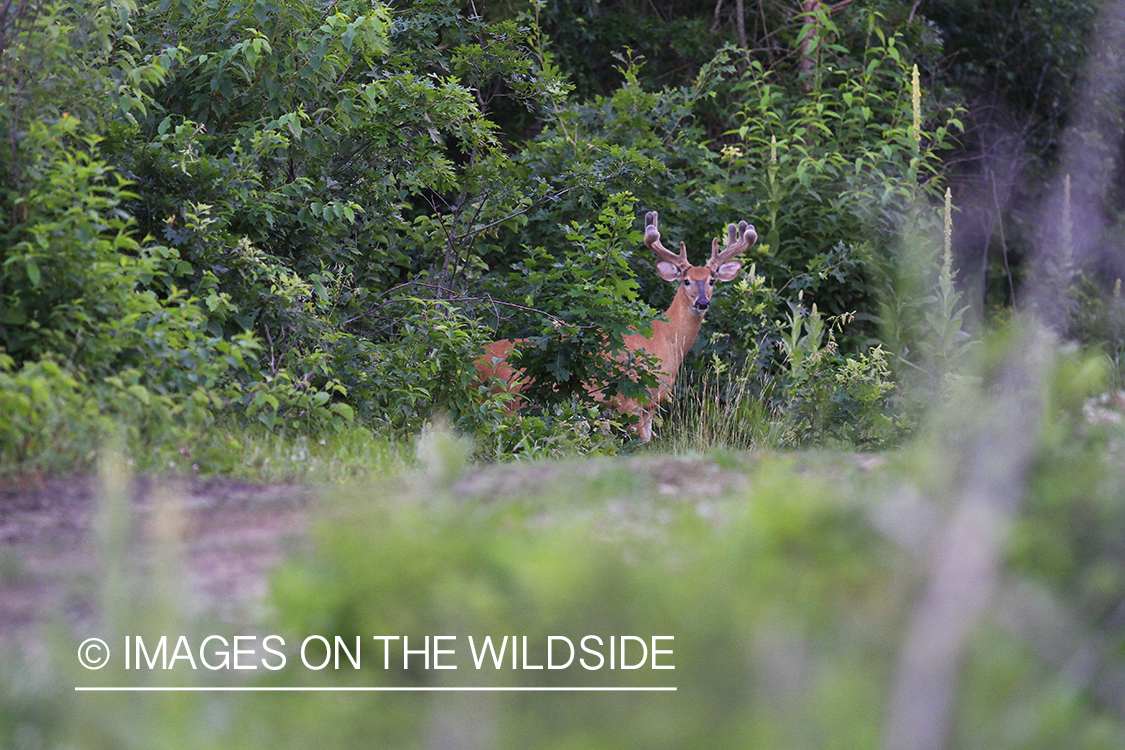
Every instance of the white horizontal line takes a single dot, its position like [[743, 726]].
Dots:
[[230, 689]]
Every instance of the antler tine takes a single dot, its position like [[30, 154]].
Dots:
[[652, 239], [739, 240]]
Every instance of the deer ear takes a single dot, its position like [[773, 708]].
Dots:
[[728, 270], [668, 271]]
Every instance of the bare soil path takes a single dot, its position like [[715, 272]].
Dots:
[[232, 534]]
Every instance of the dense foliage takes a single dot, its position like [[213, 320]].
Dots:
[[309, 218]]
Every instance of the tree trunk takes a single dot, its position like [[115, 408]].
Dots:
[[809, 44], [740, 22]]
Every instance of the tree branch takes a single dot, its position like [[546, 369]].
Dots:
[[486, 299], [552, 197]]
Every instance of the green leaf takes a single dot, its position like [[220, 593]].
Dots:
[[33, 272]]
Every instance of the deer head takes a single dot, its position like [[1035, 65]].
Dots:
[[697, 283]]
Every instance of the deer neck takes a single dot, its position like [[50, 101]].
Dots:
[[684, 328]]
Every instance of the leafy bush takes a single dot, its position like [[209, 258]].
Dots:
[[591, 304], [1098, 322], [840, 168], [828, 395]]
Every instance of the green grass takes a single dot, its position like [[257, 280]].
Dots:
[[714, 411]]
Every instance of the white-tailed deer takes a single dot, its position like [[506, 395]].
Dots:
[[672, 338]]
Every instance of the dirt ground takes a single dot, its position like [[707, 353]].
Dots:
[[51, 557], [231, 533]]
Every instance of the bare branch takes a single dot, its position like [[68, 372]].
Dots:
[[1003, 240], [534, 204], [715, 20], [913, 10], [740, 22], [486, 299]]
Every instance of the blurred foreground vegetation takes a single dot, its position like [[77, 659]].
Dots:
[[790, 583]]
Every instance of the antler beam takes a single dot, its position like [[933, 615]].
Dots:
[[739, 240], [652, 239]]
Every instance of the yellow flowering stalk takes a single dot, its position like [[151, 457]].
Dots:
[[916, 101]]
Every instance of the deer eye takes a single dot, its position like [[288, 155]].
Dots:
[[711, 282], [687, 283]]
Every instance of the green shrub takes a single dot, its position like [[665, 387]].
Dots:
[[827, 395]]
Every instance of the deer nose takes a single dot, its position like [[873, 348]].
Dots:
[[702, 298]]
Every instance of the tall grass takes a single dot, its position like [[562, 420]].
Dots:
[[720, 410]]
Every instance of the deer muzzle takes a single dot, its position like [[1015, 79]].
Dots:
[[702, 299]]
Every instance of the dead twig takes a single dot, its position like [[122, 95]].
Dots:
[[486, 300]]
